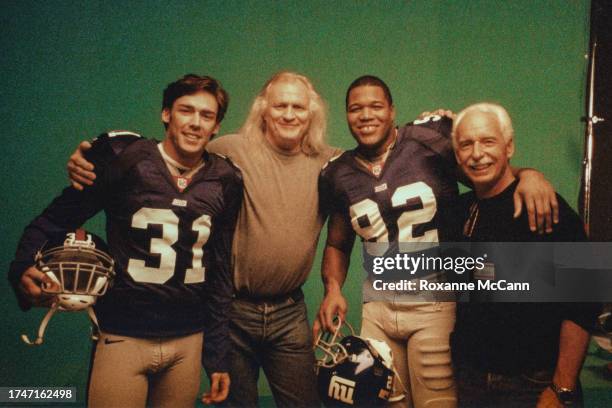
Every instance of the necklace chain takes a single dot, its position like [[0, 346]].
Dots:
[[470, 223]]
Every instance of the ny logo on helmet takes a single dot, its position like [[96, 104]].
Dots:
[[341, 389]]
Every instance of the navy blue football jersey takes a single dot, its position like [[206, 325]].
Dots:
[[171, 246], [413, 199]]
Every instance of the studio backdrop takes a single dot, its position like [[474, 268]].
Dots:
[[73, 69]]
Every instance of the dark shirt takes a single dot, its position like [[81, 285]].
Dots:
[[511, 338]]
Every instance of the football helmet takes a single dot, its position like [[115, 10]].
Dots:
[[80, 270], [352, 370]]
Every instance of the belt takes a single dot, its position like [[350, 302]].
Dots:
[[295, 295]]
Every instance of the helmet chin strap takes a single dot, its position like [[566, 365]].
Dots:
[[42, 327], [78, 274], [95, 330], [401, 383]]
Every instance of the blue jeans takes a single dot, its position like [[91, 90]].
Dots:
[[275, 336]]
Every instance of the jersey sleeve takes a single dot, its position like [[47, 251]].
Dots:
[[66, 212], [435, 133], [329, 202], [108, 147], [219, 286]]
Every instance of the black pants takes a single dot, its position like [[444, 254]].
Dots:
[[479, 389]]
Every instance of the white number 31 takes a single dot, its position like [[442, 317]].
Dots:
[[163, 246]]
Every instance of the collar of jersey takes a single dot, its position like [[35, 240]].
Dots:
[[177, 169]]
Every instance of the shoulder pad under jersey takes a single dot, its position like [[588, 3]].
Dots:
[[440, 124], [334, 158], [119, 133], [228, 160], [235, 169], [432, 132], [111, 144]]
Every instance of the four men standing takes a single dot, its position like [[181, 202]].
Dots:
[[280, 151]]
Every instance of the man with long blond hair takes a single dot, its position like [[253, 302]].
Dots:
[[280, 149], [313, 141]]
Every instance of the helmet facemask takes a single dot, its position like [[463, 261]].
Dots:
[[79, 273]]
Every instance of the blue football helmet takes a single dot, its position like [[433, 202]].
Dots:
[[353, 371]]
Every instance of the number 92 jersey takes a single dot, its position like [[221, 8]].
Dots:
[[414, 197]]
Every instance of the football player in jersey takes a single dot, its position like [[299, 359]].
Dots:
[[170, 214], [399, 185]]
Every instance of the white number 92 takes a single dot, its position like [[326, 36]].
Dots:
[[376, 231]]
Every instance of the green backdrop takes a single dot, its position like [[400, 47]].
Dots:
[[73, 69]]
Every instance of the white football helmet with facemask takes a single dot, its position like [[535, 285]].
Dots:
[[79, 270]]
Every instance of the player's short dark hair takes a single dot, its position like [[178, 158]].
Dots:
[[191, 84], [370, 80]]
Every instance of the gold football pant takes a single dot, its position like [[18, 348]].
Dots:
[[418, 335], [138, 372]]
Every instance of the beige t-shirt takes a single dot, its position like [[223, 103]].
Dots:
[[279, 222]]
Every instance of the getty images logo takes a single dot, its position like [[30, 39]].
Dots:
[[341, 389]]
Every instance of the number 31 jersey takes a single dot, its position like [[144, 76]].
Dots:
[[171, 246], [411, 200]]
